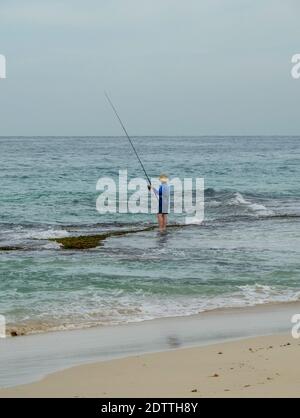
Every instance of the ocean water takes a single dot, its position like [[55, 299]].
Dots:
[[246, 252]]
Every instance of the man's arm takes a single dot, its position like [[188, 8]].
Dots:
[[154, 189]]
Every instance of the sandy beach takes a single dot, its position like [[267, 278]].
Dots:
[[231, 352], [257, 367]]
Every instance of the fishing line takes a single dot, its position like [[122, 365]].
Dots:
[[128, 137]]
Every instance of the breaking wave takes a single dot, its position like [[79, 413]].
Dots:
[[142, 307]]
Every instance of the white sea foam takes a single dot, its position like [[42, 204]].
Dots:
[[91, 309], [238, 199], [260, 294], [51, 246], [255, 208], [46, 234]]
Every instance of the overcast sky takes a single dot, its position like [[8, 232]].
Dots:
[[172, 67]]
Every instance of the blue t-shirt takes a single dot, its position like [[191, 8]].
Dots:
[[163, 194]]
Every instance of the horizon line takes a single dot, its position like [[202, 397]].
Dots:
[[157, 136]]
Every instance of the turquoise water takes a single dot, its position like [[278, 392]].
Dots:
[[246, 252]]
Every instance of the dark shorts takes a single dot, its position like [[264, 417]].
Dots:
[[162, 213]]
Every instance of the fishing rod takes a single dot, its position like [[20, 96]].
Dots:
[[128, 137]]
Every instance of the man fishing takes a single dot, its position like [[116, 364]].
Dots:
[[163, 197], [163, 193]]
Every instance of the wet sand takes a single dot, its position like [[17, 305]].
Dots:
[[256, 367], [184, 357]]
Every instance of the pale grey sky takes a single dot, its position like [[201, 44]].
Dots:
[[172, 67]]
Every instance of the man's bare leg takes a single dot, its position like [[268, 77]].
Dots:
[[165, 221], [160, 221]]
